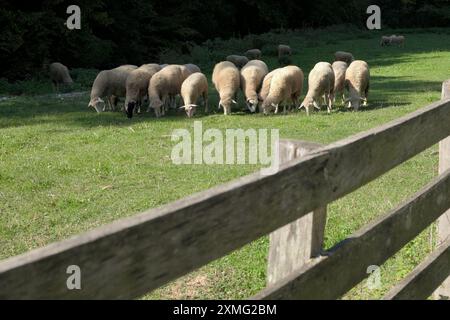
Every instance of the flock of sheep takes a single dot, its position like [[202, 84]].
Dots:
[[392, 40], [264, 91]]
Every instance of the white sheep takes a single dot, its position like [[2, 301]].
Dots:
[[59, 74], [253, 54], [320, 84], [109, 84], [226, 79], [398, 40], [239, 61], [187, 69], [194, 87], [252, 76], [343, 56], [285, 87], [137, 86], [357, 82], [166, 82], [339, 68]]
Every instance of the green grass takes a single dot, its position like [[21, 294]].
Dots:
[[65, 169]]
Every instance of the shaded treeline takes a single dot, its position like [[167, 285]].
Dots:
[[135, 31]]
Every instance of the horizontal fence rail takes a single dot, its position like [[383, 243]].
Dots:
[[132, 256]]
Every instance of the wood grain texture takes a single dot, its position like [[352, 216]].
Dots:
[[425, 278], [346, 264], [132, 256], [443, 223], [294, 244]]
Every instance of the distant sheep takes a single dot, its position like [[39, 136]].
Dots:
[[239, 61], [285, 87], [320, 84], [253, 54], [137, 86], [357, 81], [252, 76], [194, 87], [226, 79], [109, 84], [339, 68], [164, 84], [192, 68], [59, 74], [344, 56], [398, 40]]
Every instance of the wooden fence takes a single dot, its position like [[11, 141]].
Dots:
[[135, 255]]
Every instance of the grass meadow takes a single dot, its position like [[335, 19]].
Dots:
[[65, 169]]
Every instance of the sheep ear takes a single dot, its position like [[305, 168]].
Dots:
[[182, 107], [301, 106], [232, 100]]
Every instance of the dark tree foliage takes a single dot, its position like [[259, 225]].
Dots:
[[135, 31]]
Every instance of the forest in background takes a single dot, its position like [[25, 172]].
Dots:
[[114, 32]]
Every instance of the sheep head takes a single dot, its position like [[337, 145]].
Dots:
[[355, 102], [95, 103]]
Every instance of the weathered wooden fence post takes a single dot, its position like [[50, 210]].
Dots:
[[443, 223], [294, 244]]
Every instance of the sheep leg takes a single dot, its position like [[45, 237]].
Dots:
[[205, 101]]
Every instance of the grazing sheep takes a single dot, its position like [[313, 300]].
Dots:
[[59, 74], [398, 40], [343, 56], [188, 69], [285, 87], [194, 87], [253, 54], [239, 61], [192, 68], [339, 68], [137, 86], [110, 84], [284, 50], [252, 76], [226, 79], [320, 84], [165, 83], [357, 78], [264, 92]]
